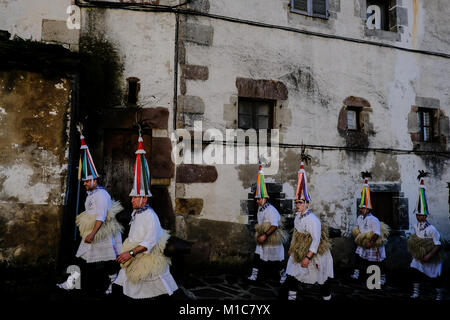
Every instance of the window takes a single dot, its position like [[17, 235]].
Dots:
[[255, 114], [353, 118], [314, 8], [425, 121], [382, 15]]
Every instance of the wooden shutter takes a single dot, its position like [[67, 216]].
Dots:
[[300, 5], [319, 7]]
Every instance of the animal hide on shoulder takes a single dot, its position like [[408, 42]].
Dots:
[[279, 236], [146, 264], [361, 239], [302, 241], [110, 226]]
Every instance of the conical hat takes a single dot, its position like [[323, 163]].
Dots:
[[365, 195], [141, 184], [86, 167], [302, 185], [421, 207], [261, 190]]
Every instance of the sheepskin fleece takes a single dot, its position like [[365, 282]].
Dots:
[[279, 236], [146, 264], [420, 247], [110, 227], [302, 241], [361, 239]]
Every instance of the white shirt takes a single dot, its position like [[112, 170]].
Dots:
[[97, 203], [268, 213], [425, 230], [320, 268], [370, 223], [309, 223]]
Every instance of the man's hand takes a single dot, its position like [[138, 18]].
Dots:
[[124, 257], [369, 244], [90, 237], [262, 238], [427, 258], [305, 263]]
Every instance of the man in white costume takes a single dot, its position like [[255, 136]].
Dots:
[[100, 231], [316, 266], [310, 259], [424, 245], [269, 234], [145, 269], [370, 236]]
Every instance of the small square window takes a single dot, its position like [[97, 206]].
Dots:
[[425, 119], [353, 118], [255, 114]]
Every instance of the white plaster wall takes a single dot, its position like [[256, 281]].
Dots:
[[426, 20], [24, 17], [145, 43], [389, 79]]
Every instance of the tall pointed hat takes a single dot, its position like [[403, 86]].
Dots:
[[261, 190], [302, 185], [86, 167], [421, 207], [141, 184], [365, 193]]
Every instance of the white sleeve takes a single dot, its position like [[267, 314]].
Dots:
[[375, 226], [435, 236], [152, 232], [314, 229], [101, 207], [274, 217]]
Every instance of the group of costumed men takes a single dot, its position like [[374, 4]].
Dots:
[[144, 269], [310, 260]]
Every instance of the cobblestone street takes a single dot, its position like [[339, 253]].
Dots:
[[232, 287]]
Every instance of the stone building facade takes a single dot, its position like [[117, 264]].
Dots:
[[354, 97]]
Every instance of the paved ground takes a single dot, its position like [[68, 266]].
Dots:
[[233, 287], [222, 287]]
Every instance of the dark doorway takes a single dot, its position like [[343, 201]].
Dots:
[[389, 207], [383, 207], [119, 147]]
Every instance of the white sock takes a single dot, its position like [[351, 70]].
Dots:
[[292, 295], [416, 290], [254, 274], [69, 284]]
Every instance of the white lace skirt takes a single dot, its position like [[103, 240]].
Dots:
[[432, 270], [104, 250], [270, 253], [319, 269], [147, 288]]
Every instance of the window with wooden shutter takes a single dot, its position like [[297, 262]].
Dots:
[[314, 8]]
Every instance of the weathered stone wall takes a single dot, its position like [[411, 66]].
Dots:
[[34, 114], [321, 76]]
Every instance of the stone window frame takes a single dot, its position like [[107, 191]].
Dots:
[[309, 12], [440, 125], [355, 138], [396, 10]]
